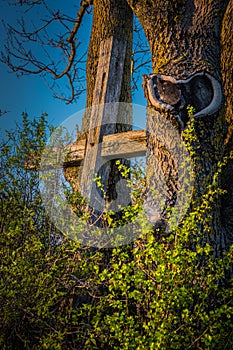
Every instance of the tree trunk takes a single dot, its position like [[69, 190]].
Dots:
[[227, 75], [185, 42]]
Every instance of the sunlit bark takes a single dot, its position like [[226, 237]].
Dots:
[[190, 58]]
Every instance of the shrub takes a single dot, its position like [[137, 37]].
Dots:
[[163, 291]]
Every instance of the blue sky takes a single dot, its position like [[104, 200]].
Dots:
[[30, 93]]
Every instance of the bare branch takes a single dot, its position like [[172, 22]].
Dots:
[[22, 60], [84, 5], [60, 54]]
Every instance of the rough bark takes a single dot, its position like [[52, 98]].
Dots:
[[185, 42], [227, 75], [183, 34]]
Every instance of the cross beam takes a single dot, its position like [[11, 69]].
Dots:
[[130, 144]]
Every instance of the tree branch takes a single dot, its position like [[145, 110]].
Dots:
[[22, 60], [83, 7]]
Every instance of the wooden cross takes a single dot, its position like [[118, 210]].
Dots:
[[102, 142]]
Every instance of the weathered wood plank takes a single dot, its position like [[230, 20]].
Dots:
[[103, 116], [129, 144]]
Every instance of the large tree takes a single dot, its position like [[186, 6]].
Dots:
[[191, 48], [159, 292], [190, 42]]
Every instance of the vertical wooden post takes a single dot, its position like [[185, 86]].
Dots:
[[104, 116]]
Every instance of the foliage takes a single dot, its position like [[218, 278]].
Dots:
[[43, 282], [164, 291]]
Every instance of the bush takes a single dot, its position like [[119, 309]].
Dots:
[[160, 292]]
